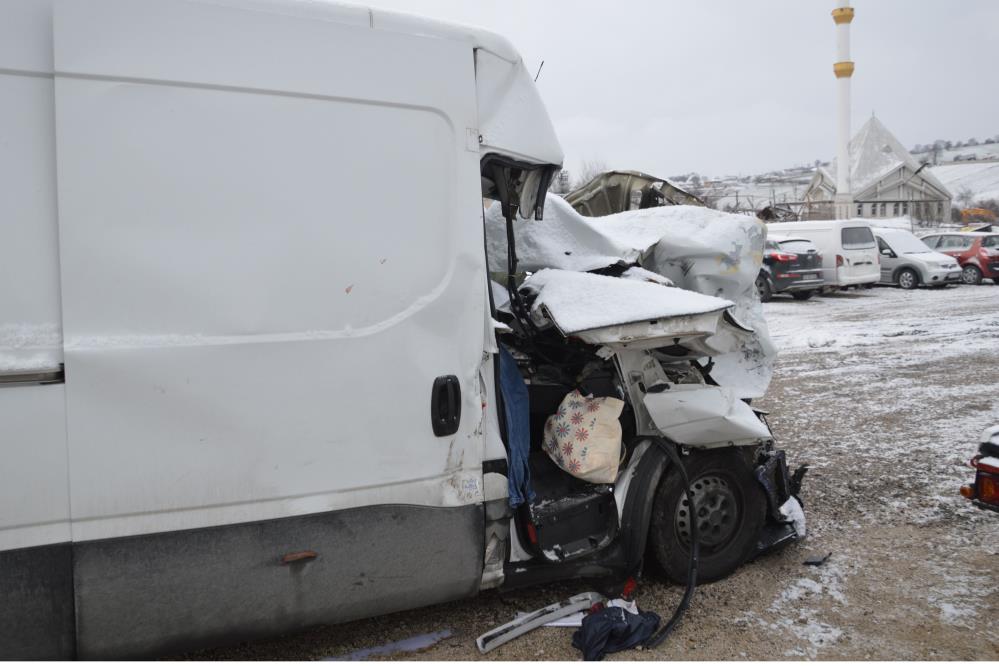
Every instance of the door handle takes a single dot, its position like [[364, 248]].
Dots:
[[445, 405]]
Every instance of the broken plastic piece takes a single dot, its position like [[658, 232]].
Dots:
[[705, 416], [521, 625], [792, 512]]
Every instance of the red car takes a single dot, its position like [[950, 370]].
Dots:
[[984, 492], [977, 253]]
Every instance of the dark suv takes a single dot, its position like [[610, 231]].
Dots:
[[791, 265]]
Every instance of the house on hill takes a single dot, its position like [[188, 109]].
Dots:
[[885, 179]]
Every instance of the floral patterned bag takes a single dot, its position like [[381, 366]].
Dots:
[[584, 437]]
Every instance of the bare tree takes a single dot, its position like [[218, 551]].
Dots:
[[561, 182], [965, 197], [935, 150], [587, 170]]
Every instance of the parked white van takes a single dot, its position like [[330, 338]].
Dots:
[[849, 251], [246, 387]]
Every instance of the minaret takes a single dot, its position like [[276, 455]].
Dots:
[[843, 69]]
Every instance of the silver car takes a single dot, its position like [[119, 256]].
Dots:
[[909, 262]]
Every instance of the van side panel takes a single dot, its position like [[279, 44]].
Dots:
[[36, 590], [271, 247]]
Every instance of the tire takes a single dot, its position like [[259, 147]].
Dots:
[[763, 286], [971, 275], [907, 279], [802, 295], [724, 486]]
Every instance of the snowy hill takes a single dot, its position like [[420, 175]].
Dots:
[[982, 178]]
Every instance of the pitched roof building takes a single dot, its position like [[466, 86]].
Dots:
[[885, 179]]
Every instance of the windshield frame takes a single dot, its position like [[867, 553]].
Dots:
[[530, 184]]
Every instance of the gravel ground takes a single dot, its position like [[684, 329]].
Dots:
[[883, 393]]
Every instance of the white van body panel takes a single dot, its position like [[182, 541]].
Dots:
[[512, 117], [223, 298], [34, 493], [33, 477], [860, 265]]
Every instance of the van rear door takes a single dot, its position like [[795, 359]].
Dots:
[[860, 256]]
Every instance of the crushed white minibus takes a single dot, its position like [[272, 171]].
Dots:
[[249, 353]]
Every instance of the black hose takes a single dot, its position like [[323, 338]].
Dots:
[[670, 448]]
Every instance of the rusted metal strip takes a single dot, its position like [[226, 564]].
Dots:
[[300, 556]]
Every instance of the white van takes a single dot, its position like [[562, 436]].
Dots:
[[247, 387], [849, 250]]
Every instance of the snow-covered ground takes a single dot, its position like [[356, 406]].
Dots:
[[884, 393]]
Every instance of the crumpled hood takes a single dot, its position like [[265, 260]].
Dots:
[[701, 250], [621, 313]]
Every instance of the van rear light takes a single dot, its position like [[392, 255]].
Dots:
[[839, 261], [532, 533]]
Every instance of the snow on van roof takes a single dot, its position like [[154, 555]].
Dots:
[[584, 301]]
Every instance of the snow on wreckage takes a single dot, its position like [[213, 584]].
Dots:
[[656, 308]]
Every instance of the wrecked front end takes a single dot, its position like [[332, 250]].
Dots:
[[655, 309]]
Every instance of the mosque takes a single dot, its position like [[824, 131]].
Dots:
[[882, 179]]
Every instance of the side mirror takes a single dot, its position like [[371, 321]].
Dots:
[[888, 253]]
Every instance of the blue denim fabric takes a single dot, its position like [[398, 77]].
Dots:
[[516, 407]]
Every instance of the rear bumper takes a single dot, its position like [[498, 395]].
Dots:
[[862, 278], [797, 284]]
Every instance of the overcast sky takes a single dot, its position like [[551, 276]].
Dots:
[[742, 86]]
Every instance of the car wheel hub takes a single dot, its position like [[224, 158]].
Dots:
[[716, 510], [906, 280], [969, 274]]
